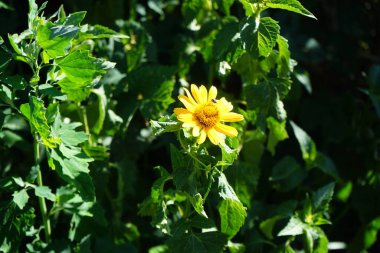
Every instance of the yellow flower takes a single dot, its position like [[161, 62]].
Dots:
[[204, 114]]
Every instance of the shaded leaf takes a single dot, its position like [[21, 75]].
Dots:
[[20, 198]]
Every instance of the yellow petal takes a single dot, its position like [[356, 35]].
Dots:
[[215, 137], [191, 99], [195, 131], [202, 137], [179, 111], [189, 124], [224, 105], [203, 94], [231, 117], [187, 103], [186, 117], [227, 130], [212, 93], [195, 92]]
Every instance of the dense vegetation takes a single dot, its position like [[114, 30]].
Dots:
[[94, 157]]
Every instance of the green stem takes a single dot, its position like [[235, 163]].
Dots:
[[41, 200], [210, 181], [83, 114], [189, 151]]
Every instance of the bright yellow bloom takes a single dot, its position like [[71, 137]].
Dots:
[[204, 114]]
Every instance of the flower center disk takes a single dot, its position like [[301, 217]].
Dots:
[[207, 115]]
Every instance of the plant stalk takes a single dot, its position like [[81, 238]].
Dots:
[[41, 200]]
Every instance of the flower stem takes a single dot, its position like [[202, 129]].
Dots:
[[41, 200]]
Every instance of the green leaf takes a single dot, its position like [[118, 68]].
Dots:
[[294, 227], [32, 15], [35, 112], [5, 6], [74, 19], [159, 249], [79, 67], [277, 133], [157, 191], [6, 95], [207, 242], [98, 32], [322, 243], [265, 97], [225, 5], [190, 9], [44, 192], [226, 40], [165, 124], [284, 63], [102, 105], [21, 198], [154, 93], [185, 178], [287, 174], [307, 145], [17, 82], [259, 35], [56, 39], [70, 161], [322, 197], [290, 5], [325, 164], [231, 210]]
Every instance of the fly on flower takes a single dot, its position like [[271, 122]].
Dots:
[[205, 114]]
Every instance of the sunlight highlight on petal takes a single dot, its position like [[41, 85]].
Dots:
[[231, 117], [187, 103], [212, 93], [227, 130]]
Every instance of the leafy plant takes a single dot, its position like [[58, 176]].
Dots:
[[187, 126]]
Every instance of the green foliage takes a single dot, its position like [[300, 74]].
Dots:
[[94, 159]]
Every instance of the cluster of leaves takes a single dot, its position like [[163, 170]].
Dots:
[[107, 167]]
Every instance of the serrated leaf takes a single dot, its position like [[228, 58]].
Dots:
[[56, 39], [208, 242], [21, 198], [232, 214], [307, 145], [35, 112], [231, 210], [294, 227], [44, 192], [79, 67], [259, 35], [265, 97], [165, 124], [290, 5], [322, 197]]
